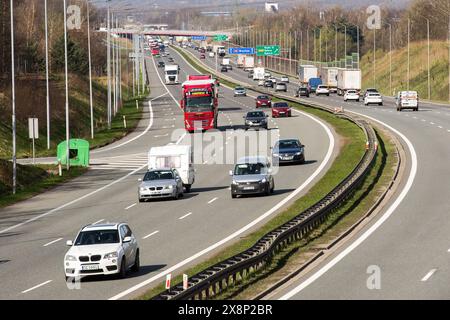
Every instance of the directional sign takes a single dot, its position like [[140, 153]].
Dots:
[[262, 51], [198, 38], [221, 37], [241, 50]]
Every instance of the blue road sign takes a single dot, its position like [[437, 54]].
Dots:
[[241, 50], [198, 38]]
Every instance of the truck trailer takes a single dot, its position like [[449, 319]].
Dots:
[[348, 79]]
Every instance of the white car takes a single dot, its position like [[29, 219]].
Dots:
[[284, 79], [211, 54], [102, 249], [321, 89], [267, 75], [261, 83], [373, 98], [351, 95]]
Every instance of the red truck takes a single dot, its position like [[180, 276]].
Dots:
[[155, 51], [200, 103]]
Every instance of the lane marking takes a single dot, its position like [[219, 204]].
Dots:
[[185, 216], [98, 222], [213, 200], [129, 207], [38, 286], [376, 225], [150, 235], [54, 241], [256, 221], [440, 127], [150, 106], [428, 275]]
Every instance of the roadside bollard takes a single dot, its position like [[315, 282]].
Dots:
[[137, 104], [59, 168], [124, 122], [367, 145], [376, 145]]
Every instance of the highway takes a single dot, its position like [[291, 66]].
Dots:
[[173, 235], [409, 241]]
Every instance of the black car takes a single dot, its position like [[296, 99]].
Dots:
[[256, 119], [250, 74], [288, 151], [302, 92], [170, 59], [161, 64], [268, 84], [224, 69], [229, 66]]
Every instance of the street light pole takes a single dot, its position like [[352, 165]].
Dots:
[[374, 55], [91, 100], [409, 30], [109, 67], [429, 75], [47, 74], [67, 89], [13, 102]]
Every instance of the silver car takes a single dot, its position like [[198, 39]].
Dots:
[[160, 183], [252, 175]]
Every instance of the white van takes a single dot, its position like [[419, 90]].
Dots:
[[407, 100], [175, 157]]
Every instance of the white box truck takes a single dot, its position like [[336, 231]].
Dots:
[[348, 79], [174, 157], [249, 63], [258, 73], [225, 61], [329, 77], [240, 60], [172, 74], [306, 72]]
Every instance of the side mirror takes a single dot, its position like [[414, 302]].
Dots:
[[69, 243], [231, 173], [127, 240], [182, 104]]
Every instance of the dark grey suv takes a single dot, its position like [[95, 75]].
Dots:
[[256, 119]]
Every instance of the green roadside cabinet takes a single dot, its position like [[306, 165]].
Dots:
[[78, 153]]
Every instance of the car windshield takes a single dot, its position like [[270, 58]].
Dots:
[[158, 175], [239, 89], [281, 105], [172, 72], [249, 168], [255, 115], [263, 98], [351, 92], [288, 144], [374, 95], [199, 104], [89, 238]]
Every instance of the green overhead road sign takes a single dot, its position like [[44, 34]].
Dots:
[[262, 51], [221, 37]]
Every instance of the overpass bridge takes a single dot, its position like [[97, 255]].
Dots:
[[182, 33]]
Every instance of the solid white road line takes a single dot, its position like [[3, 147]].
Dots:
[[375, 226], [140, 135], [213, 200], [428, 275], [150, 235], [54, 241], [185, 216], [38, 286], [133, 205], [256, 221]]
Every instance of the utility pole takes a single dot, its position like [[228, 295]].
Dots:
[[91, 100], [13, 102], [429, 75], [409, 30], [307, 43], [67, 89], [109, 67], [374, 55], [47, 75]]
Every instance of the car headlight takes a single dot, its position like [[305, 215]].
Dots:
[[71, 258], [110, 255], [168, 187], [299, 153], [264, 180], [143, 189], [234, 183], [276, 155]]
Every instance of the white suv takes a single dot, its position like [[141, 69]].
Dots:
[[102, 249]]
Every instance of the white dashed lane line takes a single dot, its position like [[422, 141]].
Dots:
[[150, 235], [129, 207], [213, 200], [428, 275], [52, 242], [38, 286], [98, 221], [185, 216]]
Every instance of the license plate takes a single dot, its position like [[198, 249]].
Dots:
[[249, 188], [288, 158], [91, 267]]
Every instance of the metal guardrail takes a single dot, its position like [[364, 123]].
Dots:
[[218, 277]]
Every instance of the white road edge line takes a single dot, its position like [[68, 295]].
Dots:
[[52, 242], [375, 226], [248, 226], [185, 216], [428, 275], [38, 286], [150, 235]]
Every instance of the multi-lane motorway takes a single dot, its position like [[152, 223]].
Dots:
[[409, 242], [173, 235]]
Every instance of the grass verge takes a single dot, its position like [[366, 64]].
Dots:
[[32, 180]]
